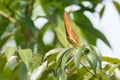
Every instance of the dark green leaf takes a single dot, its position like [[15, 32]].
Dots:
[[117, 5], [3, 26], [4, 40], [102, 11], [27, 22], [85, 24]]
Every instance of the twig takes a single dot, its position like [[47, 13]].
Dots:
[[7, 16], [89, 71]]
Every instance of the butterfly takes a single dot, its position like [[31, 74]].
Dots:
[[70, 33]]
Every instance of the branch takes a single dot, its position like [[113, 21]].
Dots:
[[89, 71], [7, 16]]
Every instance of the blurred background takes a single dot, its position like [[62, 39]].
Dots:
[[38, 24]]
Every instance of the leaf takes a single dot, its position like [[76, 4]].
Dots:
[[4, 40], [20, 72], [8, 69], [52, 52], [78, 55], [61, 37], [9, 52], [3, 26], [102, 11], [3, 61], [65, 58], [117, 6], [111, 60], [92, 59], [97, 54], [26, 56], [63, 76], [112, 68], [60, 55], [25, 19], [38, 72], [85, 24]]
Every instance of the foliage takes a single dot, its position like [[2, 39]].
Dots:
[[32, 59]]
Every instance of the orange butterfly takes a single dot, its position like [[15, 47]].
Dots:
[[70, 33]]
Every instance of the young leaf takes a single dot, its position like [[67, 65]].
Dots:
[[9, 52], [26, 56]]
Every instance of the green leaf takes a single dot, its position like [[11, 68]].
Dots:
[[92, 59], [52, 52], [25, 19], [60, 55], [97, 54], [8, 69], [63, 76], [102, 11], [38, 72], [85, 24], [3, 26], [65, 58], [78, 55], [111, 60], [4, 40], [26, 56], [112, 68], [3, 61], [117, 6], [61, 36], [9, 52], [20, 72]]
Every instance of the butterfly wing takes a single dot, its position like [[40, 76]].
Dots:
[[70, 33]]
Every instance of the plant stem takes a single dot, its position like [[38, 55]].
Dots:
[[89, 71]]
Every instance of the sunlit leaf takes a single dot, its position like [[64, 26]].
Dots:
[[77, 57], [112, 69], [110, 59], [9, 52], [61, 36], [38, 72], [26, 56], [52, 52]]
